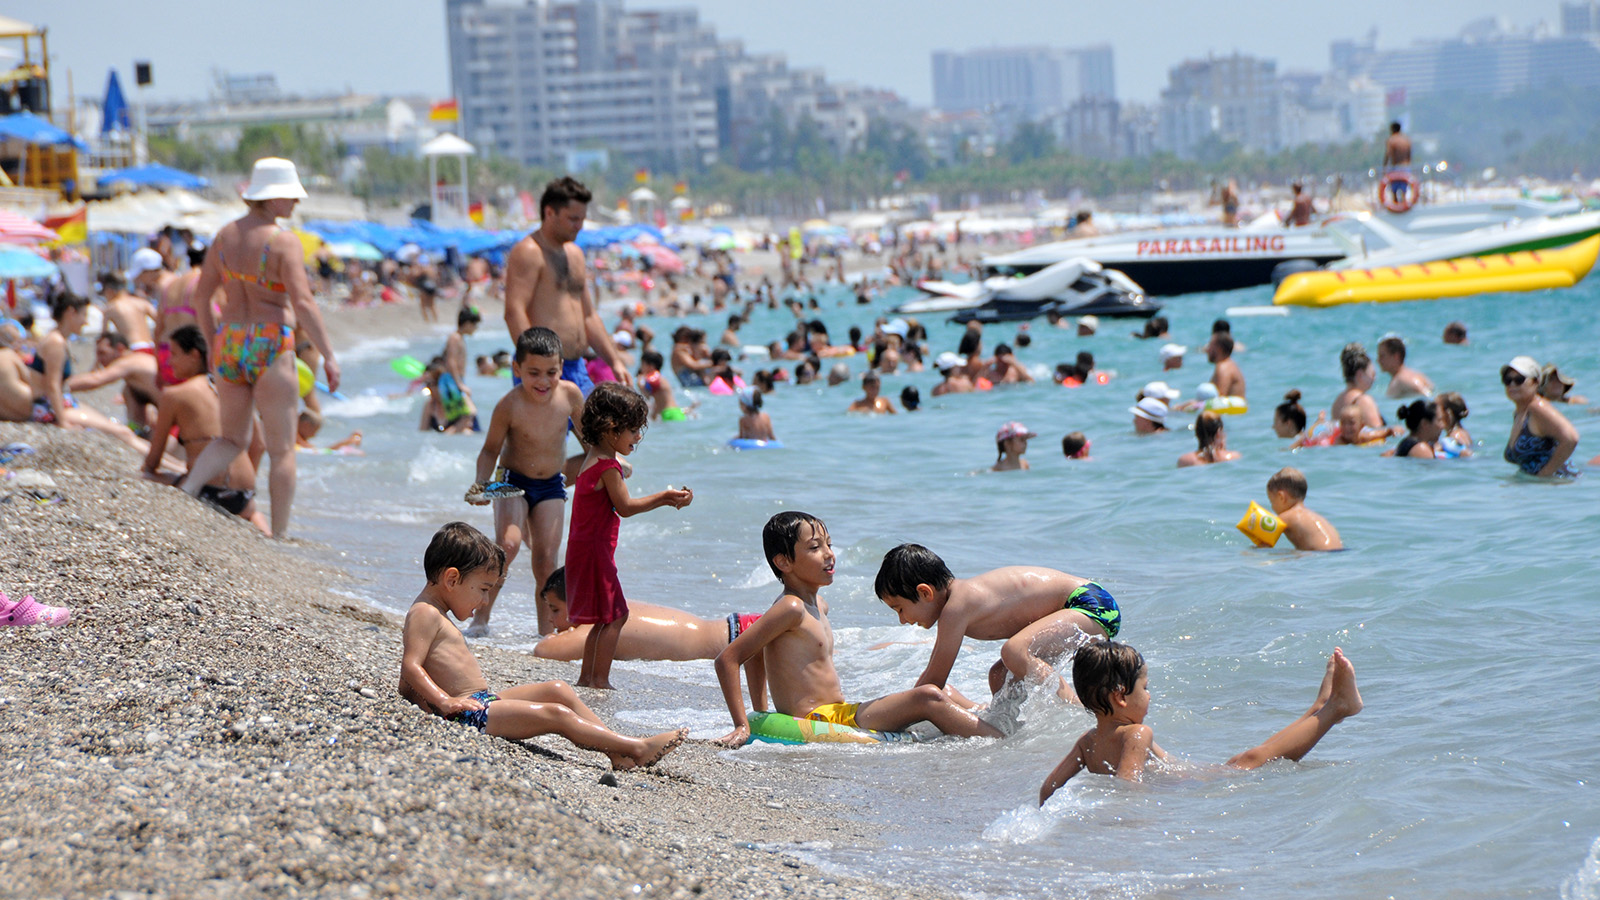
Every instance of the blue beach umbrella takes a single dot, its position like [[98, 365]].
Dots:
[[18, 263], [154, 175], [115, 106]]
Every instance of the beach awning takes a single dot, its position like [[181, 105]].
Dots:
[[448, 145], [36, 130], [154, 175], [11, 28]]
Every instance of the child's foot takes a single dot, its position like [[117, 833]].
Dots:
[[1339, 687], [29, 611], [655, 749]]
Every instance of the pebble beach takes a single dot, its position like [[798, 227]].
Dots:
[[218, 721]]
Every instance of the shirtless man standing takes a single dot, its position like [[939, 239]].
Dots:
[[1226, 375], [130, 314], [1397, 157]]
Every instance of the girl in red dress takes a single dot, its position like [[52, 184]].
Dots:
[[614, 419]]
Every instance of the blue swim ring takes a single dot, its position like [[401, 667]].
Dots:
[[753, 444]]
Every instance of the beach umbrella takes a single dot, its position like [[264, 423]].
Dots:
[[355, 250], [114, 115], [19, 229], [18, 263], [154, 175], [661, 257]]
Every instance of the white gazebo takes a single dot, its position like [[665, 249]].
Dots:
[[643, 203], [449, 200]]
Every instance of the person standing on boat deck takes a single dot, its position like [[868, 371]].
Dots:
[[1300, 214], [1230, 203], [1397, 158]]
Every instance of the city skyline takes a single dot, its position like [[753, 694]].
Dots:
[[406, 51]]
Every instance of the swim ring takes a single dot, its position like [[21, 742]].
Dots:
[[753, 444], [1393, 201], [408, 367], [777, 728], [1227, 406], [308, 381], [1261, 526]]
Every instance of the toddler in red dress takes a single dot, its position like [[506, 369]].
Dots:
[[614, 420]]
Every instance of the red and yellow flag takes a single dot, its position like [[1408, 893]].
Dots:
[[475, 213], [445, 111], [73, 227], [642, 176]]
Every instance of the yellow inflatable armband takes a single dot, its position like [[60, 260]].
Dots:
[[307, 380], [1227, 406], [1261, 526]]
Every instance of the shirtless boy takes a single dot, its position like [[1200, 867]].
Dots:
[[873, 403], [1038, 612], [439, 673], [528, 436], [796, 641], [1115, 684], [130, 314], [1286, 490], [455, 346], [1226, 375]]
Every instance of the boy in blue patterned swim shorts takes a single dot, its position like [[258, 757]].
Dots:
[[439, 673], [1039, 613]]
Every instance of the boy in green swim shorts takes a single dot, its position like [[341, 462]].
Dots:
[[796, 641], [1038, 612]]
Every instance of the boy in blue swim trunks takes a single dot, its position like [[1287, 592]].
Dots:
[[439, 673], [1040, 613], [527, 436], [796, 643]]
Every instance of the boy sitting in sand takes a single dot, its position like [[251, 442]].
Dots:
[[1114, 683], [649, 632], [872, 403], [1286, 490], [439, 673], [796, 641], [528, 436], [1038, 612]]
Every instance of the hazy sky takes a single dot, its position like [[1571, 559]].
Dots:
[[398, 45]]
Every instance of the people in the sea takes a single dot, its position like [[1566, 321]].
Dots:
[[1149, 416], [527, 438], [871, 401], [448, 409], [1421, 418], [50, 369], [1088, 325], [1306, 530], [1074, 445], [1289, 417], [955, 375], [455, 346], [1005, 369], [1350, 430], [439, 673], [1040, 613], [1010, 443], [1358, 380], [1556, 387], [1212, 440], [1542, 440], [1225, 373], [796, 640], [910, 398], [1154, 327], [1455, 333], [1114, 683], [1404, 381], [657, 388], [1454, 441], [1172, 356], [190, 408], [261, 270], [754, 424], [613, 422]]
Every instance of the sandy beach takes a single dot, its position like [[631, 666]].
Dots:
[[217, 721]]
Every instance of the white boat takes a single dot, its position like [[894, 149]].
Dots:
[[1077, 286], [1372, 243]]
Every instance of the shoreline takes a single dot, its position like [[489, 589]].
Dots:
[[214, 720]]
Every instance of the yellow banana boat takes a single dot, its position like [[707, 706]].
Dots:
[[1528, 270]]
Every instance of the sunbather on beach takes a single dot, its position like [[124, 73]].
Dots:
[[439, 673]]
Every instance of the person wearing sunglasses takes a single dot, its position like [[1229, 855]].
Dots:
[[1542, 439]]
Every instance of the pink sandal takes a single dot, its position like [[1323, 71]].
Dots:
[[29, 611]]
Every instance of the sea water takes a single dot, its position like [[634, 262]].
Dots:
[[1467, 600]]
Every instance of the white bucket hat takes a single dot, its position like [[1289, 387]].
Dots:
[[274, 179]]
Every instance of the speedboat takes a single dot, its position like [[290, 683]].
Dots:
[[1074, 286]]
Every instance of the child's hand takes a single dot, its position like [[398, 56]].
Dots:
[[677, 498], [736, 738], [453, 706]]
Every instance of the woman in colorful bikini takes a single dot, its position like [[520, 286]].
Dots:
[[260, 268], [1541, 438]]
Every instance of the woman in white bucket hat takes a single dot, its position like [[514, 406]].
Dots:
[[261, 271]]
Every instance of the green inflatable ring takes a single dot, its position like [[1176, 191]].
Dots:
[[777, 728]]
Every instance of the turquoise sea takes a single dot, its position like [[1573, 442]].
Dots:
[[1469, 600]]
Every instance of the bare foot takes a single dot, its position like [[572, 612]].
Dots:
[[655, 749], [582, 682], [1339, 687], [598, 685]]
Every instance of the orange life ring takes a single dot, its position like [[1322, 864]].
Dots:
[[1393, 201]]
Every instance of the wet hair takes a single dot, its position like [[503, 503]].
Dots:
[[1394, 127], [1456, 330], [720, 356], [1416, 412], [652, 359], [65, 302], [1290, 480], [1452, 402], [309, 423], [112, 282], [734, 321], [907, 566], [114, 338], [910, 397], [1206, 428], [555, 584], [612, 408], [970, 341], [855, 335], [538, 341], [816, 326], [1003, 350], [782, 532], [469, 315], [1155, 327], [1024, 339], [1221, 326], [1073, 443], [1085, 363], [1394, 346], [560, 192], [870, 377], [1223, 340], [1291, 411], [189, 339], [1353, 359], [461, 547], [765, 380], [500, 357], [1103, 668]]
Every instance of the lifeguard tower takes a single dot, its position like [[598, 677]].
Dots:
[[449, 199]]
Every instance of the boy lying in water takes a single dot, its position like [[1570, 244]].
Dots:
[[439, 673]]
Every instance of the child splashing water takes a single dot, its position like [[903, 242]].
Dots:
[[614, 420]]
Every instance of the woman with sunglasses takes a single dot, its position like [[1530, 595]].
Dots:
[[1541, 438]]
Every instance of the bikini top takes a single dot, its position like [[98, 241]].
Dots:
[[186, 295], [259, 278], [37, 364], [1529, 452]]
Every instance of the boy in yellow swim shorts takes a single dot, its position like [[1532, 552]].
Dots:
[[796, 642]]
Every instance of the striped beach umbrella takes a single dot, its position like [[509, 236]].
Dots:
[[19, 229]]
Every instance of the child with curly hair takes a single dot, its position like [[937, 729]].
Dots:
[[614, 420]]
